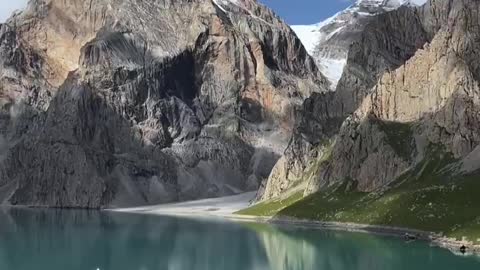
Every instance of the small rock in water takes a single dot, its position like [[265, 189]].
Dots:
[[410, 237]]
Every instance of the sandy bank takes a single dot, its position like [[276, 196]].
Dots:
[[225, 207], [221, 207]]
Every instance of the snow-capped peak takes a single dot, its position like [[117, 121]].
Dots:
[[225, 4], [221, 4], [328, 41], [389, 3]]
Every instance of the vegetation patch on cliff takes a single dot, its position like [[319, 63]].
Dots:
[[325, 155], [399, 136]]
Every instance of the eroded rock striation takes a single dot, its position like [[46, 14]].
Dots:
[[414, 95], [116, 103]]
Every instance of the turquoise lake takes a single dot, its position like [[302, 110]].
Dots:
[[90, 240]]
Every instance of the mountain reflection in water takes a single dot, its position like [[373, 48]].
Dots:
[[84, 240]]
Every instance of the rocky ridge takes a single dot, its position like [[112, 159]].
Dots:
[[421, 102], [113, 103], [329, 41]]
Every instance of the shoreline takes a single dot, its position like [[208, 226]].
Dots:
[[434, 239], [225, 207], [430, 237]]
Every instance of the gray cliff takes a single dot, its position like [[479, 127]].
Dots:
[[408, 95], [115, 103]]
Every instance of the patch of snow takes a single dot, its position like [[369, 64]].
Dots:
[[224, 4], [389, 3], [220, 207], [419, 2], [219, 4], [313, 36], [332, 69], [308, 35], [329, 36]]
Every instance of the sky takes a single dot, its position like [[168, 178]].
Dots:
[[294, 12], [8, 6], [299, 12]]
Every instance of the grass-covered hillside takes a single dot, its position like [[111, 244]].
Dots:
[[426, 198]]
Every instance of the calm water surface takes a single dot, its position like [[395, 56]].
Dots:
[[71, 240]]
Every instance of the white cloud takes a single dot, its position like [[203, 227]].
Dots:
[[8, 6]]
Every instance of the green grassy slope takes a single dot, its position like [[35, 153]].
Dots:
[[273, 207], [426, 198]]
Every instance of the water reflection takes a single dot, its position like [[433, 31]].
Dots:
[[59, 240]]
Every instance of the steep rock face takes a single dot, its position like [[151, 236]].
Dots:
[[415, 102], [429, 102], [142, 102], [329, 41], [387, 42], [390, 40]]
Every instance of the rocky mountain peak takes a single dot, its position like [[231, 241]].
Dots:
[[411, 88], [388, 4], [145, 101], [329, 41]]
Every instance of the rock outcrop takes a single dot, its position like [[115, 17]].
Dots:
[[387, 41], [432, 100], [423, 95], [329, 41], [117, 103]]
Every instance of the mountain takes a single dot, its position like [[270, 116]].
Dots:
[[329, 41], [119, 103], [407, 155], [386, 42]]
